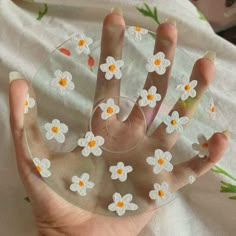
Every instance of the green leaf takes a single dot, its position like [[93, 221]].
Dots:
[[220, 170], [227, 187], [42, 13], [201, 16], [147, 11], [233, 197]]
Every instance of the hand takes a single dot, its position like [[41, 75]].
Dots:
[[53, 214]]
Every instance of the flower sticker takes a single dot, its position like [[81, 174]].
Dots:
[[211, 109], [91, 144], [109, 109], [157, 63], [187, 88], [137, 32], [175, 123], [29, 103], [160, 161], [81, 184], [112, 68], [42, 166], [191, 179], [122, 204], [82, 43], [160, 193], [62, 81], [202, 146], [150, 97], [56, 130], [120, 171]]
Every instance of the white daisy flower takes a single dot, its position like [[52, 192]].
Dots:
[[202, 146], [120, 171], [191, 179], [112, 68], [109, 109], [42, 166], [149, 97], [62, 81], [56, 130], [157, 63], [160, 193], [91, 144], [82, 43], [137, 32], [160, 161], [122, 204], [175, 123], [81, 184], [187, 88], [29, 103], [211, 110]]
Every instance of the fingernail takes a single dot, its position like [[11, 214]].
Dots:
[[117, 10], [171, 21], [210, 55], [227, 134], [14, 75]]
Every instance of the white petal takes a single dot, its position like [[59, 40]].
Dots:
[[192, 93], [153, 194], [143, 102], [74, 187], [184, 96], [110, 60], [180, 87], [112, 207], [104, 67], [111, 102], [118, 74], [132, 207], [170, 129], [89, 184], [45, 173], [70, 86], [116, 197], [152, 90], [128, 169], [195, 146], [166, 62], [160, 70], [97, 151], [89, 136], [62, 90], [158, 153], [60, 137], [120, 211], [167, 120], [123, 177], [75, 179], [152, 104], [82, 191], [45, 163], [119, 63], [168, 156], [175, 115], [49, 135], [63, 128], [99, 140], [37, 161], [108, 75], [150, 67], [85, 177], [85, 152], [82, 142], [31, 102], [56, 122], [179, 128], [47, 126], [143, 93], [151, 161], [157, 169], [168, 166], [193, 83], [67, 75], [58, 73], [105, 115], [183, 120]]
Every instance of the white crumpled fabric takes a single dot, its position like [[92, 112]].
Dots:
[[26, 42]]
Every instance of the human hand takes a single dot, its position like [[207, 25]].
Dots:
[[53, 214]]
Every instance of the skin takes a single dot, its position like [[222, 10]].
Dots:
[[54, 215]]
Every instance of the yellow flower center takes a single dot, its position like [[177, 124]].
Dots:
[[187, 87], [120, 204], [213, 109], [26, 103], [92, 143], [109, 110], [81, 183], [81, 42], [157, 62], [62, 82], [137, 29], [38, 168], [119, 171], [150, 97], [173, 122], [161, 193], [205, 145], [161, 161], [112, 68], [55, 129]]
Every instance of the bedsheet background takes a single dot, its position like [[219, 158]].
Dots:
[[25, 43]]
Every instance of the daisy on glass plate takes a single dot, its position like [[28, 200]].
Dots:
[[137, 32], [91, 144], [112, 68], [62, 82], [157, 63], [29, 103], [82, 43], [42, 166], [120, 171], [202, 146], [56, 130], [81, 184], [160, 161], [122, 204], [160, 193], [150, 97], [109, 109], [175, 123], [187, 88]]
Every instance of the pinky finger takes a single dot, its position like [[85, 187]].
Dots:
[[186, 172]]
